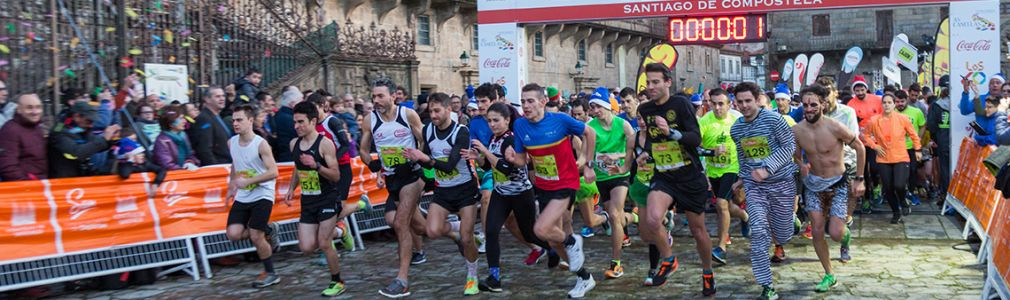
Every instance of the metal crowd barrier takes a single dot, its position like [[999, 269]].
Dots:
[[66, 267], [375, 220], [217, 244]]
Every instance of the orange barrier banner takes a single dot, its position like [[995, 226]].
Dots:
[[973, 184], [999, 237], [59, 216]]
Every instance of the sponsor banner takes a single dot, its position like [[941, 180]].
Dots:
[[662, 53], [851, 59], [170, 82], [941, 52], [503, 57], [890, 69], [799, 71], [787, 70], [556, 11], [904, 53], [973, 25], [814, 68], [926, 72], [51, 217]]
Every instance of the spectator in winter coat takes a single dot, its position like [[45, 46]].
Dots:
[[22, 152], [72, 146], [6, 107], [285, 122], [172, 149], [247, 87], [209, 132]]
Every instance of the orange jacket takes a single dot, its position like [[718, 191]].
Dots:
[[889, 132]]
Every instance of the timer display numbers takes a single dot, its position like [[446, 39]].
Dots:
[[717, 29]]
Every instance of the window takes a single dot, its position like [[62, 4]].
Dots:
[[538, 44], [722, 65], [708, 60], [822, 25], [582, 50], [424, 30], [885, 26], [609, 55], [690, 59], [476, 41]]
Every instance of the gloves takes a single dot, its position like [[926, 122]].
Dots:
[[190, 166]]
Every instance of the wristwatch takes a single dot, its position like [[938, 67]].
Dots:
[[860, 178]]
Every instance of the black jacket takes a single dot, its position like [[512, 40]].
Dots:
[[125, 169], [210, 139], [70, 152], [938, 125]]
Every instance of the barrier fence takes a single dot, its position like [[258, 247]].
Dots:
[[973, 195], [67, 229]]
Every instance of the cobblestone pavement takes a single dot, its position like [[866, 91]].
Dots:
[[917, 260]]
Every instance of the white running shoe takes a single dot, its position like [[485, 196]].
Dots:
[[575, 255], [582, 287]]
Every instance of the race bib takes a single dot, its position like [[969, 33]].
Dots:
[[392, 156], [644, 174], [499, 177], [309, 181], [545, 167], [604, 161], [756, 149], [720, 161], [441, 175], [248, 174], [667, 156]]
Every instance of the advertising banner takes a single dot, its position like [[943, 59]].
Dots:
[[662, 53], [170, 82], [904, 54], [974, 54], [814, 68], [58, 216], [503, 57], [941, 52], [787, 70], [799, 71]]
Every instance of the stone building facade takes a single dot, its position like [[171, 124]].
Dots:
[[447, 54]]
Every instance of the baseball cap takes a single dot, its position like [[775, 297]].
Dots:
[[86, 110]]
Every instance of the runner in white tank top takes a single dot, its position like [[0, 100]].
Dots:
[[251, 185]]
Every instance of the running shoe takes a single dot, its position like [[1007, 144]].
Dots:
[[615, 271], [490, 285], [346, 239], [481, 245], [266, 279], [768, 293], [626, 242], [364, 204], [669, 220], [744, 229], [808, 233], [906, 207], [797, 225], [666, 267], [846, 239], [418, 258], [274, 236], [534, 256], [396, 289], [648, 278], [915, 200], [867, 206], [606, 224], [878, 195], [848, 221], [587, 231], [575, 255], [780, 254], [708, 285], [896, 218], [553, 259], [335, 289], [826, 284], [719, 255], [844, 257], [582, 286], [471, 286]]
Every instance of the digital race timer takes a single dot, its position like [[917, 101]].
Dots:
[[717, 29]]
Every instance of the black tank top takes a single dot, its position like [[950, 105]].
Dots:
[[312, 183]]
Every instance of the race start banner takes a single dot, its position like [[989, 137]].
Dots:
[[62, 216]]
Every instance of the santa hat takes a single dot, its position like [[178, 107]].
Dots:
[[553, 94], [859, 79], [472, 103], [998, 76], [782, 91], [127, 148], [602, 97]]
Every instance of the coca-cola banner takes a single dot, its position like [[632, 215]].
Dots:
[[974, 54], [503, 57]]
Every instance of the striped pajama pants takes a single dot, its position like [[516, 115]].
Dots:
[[770, 207]]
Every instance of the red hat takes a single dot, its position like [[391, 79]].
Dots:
[[859, 79]]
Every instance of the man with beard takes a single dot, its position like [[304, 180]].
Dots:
[[866, 106], [827, 187], [846, 116]]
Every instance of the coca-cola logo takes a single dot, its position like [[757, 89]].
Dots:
[[401, 133], [979, 45], [500, 63]]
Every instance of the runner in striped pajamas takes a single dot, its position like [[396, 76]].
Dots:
[[766, 146], [827, 186]]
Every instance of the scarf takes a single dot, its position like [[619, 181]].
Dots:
[[181, 144]]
